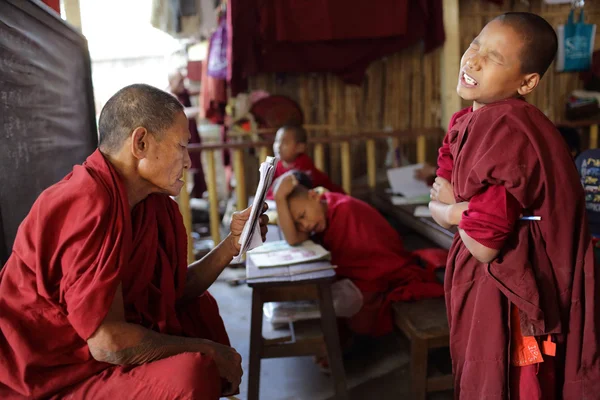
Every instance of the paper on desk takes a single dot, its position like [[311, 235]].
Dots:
[[401, 201], [422, 211], [402, 181], [251, 237]]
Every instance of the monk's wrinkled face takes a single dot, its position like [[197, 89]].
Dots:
[[308, 212], [167, 158], [491, 66], [286, 147]]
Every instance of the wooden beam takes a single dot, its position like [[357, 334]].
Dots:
[[240, 179], [421, 149], [346, 168], [319, 157], [213, 197], [186, 213], [73, 13], [594, 136], [371, 164], [450, 61]]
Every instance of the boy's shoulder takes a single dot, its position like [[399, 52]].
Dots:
[[511, 110]]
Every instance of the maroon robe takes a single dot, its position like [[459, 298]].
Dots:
[[368, 251], [79, 241], [545, 268]]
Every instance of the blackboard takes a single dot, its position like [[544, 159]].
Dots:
[[47, 115]]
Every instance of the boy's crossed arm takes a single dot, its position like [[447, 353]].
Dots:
[[283, 188], [446, 212]]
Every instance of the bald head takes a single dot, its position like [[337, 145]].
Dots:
[[135, 106], [300, 135], [539, 40]]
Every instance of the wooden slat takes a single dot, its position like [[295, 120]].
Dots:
[[594, 136], [440, 383], [240, 179], [346, 169], [421, 149], [450, 63], [213, 197], [319, 157], [264, 153], [186, 212], [371, 165]]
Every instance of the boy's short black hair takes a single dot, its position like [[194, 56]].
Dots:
[[303, 179], [539, 40], [299, 132]]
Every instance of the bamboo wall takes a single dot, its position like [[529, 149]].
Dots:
[[403, 90]]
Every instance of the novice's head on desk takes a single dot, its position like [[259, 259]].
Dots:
[[507, 59], [290, 142], [307, 208]]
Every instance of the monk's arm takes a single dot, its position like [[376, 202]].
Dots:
[[286, 222], [204, 272], [119, 342], [447, 215]]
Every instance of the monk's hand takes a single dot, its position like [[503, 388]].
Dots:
[[284, 185], [238, 220], [442, 191], [229, 363]]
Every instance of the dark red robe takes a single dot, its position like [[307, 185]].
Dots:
[[367, 250], [77, 244], [545, 268], [304, 163]]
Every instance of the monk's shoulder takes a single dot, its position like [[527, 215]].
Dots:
[[80, 191], [515, 113]]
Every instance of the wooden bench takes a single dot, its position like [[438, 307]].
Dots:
[[425, 324]]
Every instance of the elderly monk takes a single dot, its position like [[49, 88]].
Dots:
[[97, 300]]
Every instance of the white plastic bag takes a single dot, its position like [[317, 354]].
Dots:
[[347, 299]]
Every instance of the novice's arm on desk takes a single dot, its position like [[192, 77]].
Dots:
[[283, 188], [448, 215]]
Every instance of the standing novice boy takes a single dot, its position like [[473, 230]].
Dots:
[[290, 147], [522, 295]]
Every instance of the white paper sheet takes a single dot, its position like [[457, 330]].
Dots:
[[251, 237], [402, 181], [422, 211]]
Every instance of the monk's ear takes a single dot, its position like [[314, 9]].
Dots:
[[530, 82], [140, 142]]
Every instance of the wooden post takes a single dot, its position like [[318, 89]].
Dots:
[[263, 154], [371, 165], [213, 197], [240, 179], [346, 171], [396, 150], [319, 157], [421, 149], [186, 213], [594, 136], [450, 61], [73, 13]]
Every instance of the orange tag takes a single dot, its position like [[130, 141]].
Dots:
[[549, 347], [524, 349]]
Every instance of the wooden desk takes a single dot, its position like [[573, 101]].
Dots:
[[309, 286], [425, 227]]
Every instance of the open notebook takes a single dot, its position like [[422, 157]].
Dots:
[[277, 254]]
